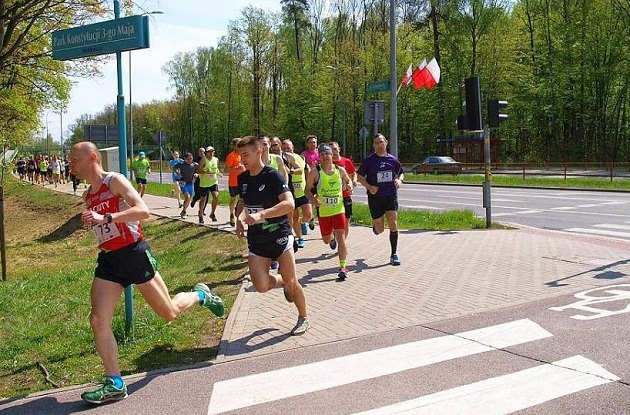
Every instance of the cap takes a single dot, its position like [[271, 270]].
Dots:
[[142, 154], [324, 148], [209, 148]]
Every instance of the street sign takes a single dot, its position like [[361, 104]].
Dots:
[[380, 86], [363, 132], [373, 111], [101, 134], [111, 36]]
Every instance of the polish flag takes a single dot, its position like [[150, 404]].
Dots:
[[430, 75], [416, 76], [407, 78]]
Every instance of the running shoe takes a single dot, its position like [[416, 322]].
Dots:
[[287, 294], [232, 220], [343, 274], [274, 265], [213, 217], [333, 244], [311, 224], [374, 230], [301, 326], [304, 229], [183, 214], [193, 201], [106, 393], [211, 301], [201, 219], [394, 260], [300, 243], [181, 205], [295, 246]]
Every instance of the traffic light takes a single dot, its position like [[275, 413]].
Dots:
[[473, 103], [494, 112]]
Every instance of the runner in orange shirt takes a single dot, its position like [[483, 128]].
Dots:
[[233, 167]]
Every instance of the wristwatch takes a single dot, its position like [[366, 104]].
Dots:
[[109, 217]]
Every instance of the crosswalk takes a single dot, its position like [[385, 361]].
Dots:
[[535, 385], [614, 230]]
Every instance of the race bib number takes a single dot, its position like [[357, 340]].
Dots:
[[251, 210], [330, 201], [384, 177], [105, 232], [297, 186]]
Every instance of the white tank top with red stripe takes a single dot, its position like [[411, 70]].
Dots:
[[111, 236]]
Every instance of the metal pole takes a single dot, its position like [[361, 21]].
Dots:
[[122, 155], [160, 143], [130, 121], [487, 178], [61, 130], [3, 252], [393, 122]]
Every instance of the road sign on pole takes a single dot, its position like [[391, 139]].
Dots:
[[118, 35], [380, 86]]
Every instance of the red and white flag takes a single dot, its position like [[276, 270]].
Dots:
[[407, 78], [430, 75], [416, 76]]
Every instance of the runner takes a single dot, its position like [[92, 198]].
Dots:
[[114, 210], [311, 156], [174, 176], [208, 170], [186, 171], [141, 168], [381, 174], [298, 183], [330, 181], [347, 164], [233, 167], [264, 203]]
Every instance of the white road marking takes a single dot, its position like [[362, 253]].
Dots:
[[232, 394], [526, 212], [508, 393], [563, 208], [602, 232], [613, 226]]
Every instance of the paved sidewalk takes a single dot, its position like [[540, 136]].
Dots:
[[443, 275]]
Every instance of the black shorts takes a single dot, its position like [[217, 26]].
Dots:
[[233, 191], [347, 204], [301, 201], [132, 264], [381, 204], [141, 181], [271, 247], [205, 191]]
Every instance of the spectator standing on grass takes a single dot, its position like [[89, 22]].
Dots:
[[265, 201], [114, 210], [381, 174], [141, 168]]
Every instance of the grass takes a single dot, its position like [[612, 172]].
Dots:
[[593, 183], [44, 304]]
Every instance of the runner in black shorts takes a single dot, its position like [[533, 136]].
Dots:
[[264, 202]]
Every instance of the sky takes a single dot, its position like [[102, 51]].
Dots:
[[183, 26]]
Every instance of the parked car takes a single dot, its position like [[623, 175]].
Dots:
[[437, 165]]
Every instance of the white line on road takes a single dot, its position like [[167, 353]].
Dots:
[[613, 226], [602, 232], [508, 393], [232, 394]]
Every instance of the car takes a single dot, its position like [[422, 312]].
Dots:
[[437, 165]]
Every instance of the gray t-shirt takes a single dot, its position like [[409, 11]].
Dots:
[[186, 171]]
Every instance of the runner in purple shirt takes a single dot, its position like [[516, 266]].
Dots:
[[311, 155], [381, 174]]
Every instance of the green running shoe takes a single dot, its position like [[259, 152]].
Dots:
[[106, 393], [211, 301]]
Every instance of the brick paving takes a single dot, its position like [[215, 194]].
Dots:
[[443, 275]]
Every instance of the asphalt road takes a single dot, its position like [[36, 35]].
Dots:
[[555, 356], [581, 211]]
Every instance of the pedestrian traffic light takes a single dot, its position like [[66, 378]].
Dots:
[[473, 103], [494, 112]]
